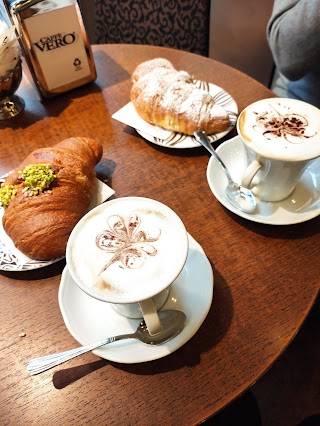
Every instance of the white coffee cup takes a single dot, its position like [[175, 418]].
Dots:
[[281, 137], [127, 252]]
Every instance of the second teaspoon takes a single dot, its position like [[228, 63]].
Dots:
[[240, 197], [172, 321]]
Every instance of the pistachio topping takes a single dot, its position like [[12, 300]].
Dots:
[[7, 192], [37, 177]]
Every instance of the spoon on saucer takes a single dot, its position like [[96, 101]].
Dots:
[[240, 197], [172, 322]]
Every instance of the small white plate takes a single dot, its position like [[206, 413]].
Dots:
[[89, 320], [11, 259], [170, 139], [302, 205]]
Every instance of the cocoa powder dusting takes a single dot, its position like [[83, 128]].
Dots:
[[290, 124]]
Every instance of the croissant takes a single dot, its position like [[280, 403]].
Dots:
[[40, 225], [168, 98]]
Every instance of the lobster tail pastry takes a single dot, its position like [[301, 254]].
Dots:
[[168, 98]]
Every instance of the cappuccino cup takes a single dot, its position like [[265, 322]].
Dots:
[[281, 137], [127, 252]]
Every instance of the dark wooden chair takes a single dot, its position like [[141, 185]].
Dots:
[[182, 24], [206, 27]]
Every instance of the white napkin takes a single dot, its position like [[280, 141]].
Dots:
[[129, 116], [9, 49]]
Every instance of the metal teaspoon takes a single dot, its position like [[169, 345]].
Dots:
[[242, 198], [172, 322]]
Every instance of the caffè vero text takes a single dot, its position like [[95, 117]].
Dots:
[[55, 41]]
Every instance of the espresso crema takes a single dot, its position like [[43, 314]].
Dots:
[[127, 250], [280, 128]]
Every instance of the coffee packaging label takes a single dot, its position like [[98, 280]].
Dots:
[[56, 42]]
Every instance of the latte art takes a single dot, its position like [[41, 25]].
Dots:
[[127, 241], [292, 127]]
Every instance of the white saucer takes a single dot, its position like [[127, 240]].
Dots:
[[89, 320], [302, 205]]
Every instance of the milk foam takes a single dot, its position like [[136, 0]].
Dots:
[[280, 128], [127, 250]]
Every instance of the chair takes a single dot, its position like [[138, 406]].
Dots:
[[231, 32], [182, 24]]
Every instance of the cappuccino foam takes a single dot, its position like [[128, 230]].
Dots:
[[127, 250], [281, 129]]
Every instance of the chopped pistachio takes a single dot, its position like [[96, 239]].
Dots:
[[7, 192], [37, 177]]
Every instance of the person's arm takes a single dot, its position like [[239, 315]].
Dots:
[[294, 36]]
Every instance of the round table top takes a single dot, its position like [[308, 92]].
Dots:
[[266, 277]]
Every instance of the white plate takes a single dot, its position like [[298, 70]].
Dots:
[[160, 136], [180, 140], [302, 205], [89, 320], [11, 259]]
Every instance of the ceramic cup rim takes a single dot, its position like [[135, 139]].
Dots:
[[261, 152], [108, 297]]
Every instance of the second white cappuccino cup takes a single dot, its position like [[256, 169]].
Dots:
[[281, 137]]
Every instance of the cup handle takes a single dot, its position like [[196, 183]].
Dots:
[[150, 316], [250, 173]]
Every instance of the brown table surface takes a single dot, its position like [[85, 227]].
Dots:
[[266, 277]]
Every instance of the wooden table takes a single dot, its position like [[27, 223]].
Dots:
[[266, 277]]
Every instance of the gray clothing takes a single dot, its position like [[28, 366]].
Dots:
[[293, 33]]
